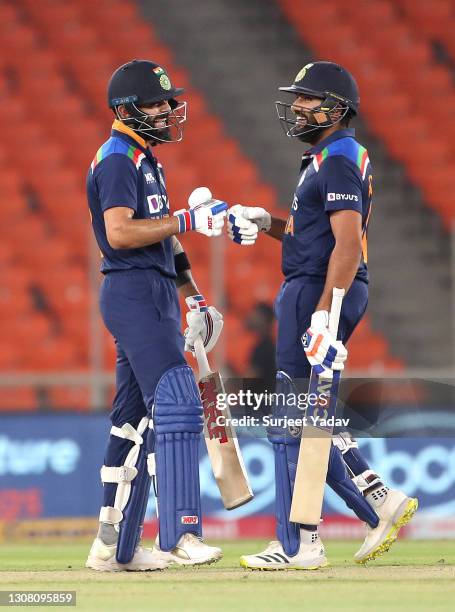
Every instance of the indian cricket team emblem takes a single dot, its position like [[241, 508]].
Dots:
[[303, 72], [165, 82]]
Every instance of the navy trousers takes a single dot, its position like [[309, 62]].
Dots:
[[141, 310]]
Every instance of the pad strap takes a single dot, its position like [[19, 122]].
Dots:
[[123, 490], [344, 441], [151, 464], [128, 432], [110, 515], [118, 474]]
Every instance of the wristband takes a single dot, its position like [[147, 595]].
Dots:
[[196, 303], [187, 220]]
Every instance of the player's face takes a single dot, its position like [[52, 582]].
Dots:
[[308, 117], [158, 113], [302, 108], [163, 121]]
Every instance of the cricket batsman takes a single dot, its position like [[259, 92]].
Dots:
[[157, 414], [324, 245]]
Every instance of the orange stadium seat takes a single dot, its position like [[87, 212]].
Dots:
[[69, 398], [18, 398], [53, 353], [434, 19], [9, 357]]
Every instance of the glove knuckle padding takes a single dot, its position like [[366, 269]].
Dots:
[[177, 423]]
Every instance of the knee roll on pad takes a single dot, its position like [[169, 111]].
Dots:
[[133, 484], [286, 444], [177, 424]]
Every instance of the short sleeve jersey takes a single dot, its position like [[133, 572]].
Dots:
[[125, 173], [335, 175]]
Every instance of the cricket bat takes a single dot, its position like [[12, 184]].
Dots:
[[315, 444], [222, 444]]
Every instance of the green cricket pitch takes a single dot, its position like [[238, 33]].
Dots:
[[413, 575]]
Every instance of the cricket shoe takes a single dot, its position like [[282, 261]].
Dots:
[[394, 512], [190, 550], [311, 555], [102, 558]]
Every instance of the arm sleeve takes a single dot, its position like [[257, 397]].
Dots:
[[181, 260], [340, 184], [116, 181]]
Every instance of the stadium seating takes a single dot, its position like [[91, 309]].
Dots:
[[56, 120], [407, 95]]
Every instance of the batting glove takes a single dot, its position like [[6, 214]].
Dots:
[[324, 352], [204, 321], [206, 215], [244, 223]]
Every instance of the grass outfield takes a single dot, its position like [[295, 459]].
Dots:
[[417, 574]]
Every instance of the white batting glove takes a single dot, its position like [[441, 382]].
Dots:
[[324, 352], [244, 223], [202, 321], [206, 215]]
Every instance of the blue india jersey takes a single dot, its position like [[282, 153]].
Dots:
[[125, 173], [336, 174]]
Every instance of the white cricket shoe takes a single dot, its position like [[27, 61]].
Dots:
[[311, 555], [395, 510], [102, 558], [190, 550]]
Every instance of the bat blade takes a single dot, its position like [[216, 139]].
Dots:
[[313, 458], [314, 450], [222, 445]]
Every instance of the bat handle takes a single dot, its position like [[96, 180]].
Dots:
[[335, 310], [201, 357]]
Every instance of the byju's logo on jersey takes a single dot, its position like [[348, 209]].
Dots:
[[332, 197], [149, 178]]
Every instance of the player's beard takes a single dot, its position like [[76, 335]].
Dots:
[[159, 134], [162, 134], [311, 137], [313, 134]]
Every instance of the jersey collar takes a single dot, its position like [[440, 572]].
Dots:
[[345, 133], [119, 126]]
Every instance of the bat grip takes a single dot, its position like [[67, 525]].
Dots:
[[335, 310], [201, 357]]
